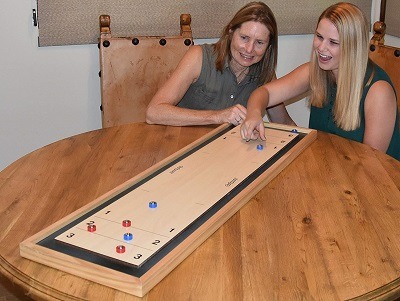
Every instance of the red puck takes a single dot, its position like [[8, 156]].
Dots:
[[126, 223], [120, 249], [91, 228]]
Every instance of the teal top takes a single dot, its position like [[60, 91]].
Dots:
[[215, 90], [322, 118]]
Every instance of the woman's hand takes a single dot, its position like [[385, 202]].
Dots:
[[234, 115], [252, 128]]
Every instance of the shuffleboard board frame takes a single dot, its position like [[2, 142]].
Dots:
[[36, 248]]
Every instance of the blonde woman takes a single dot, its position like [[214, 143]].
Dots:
[[350, 95]]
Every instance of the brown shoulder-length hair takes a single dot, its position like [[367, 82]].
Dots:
[[258, 12], [353, 31]]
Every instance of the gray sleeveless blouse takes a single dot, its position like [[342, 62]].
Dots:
[[215, 90]]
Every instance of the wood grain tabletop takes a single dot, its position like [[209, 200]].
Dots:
[[326, 228]]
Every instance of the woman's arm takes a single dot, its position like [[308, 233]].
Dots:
[[278, 91], [380, 115], [162, 108]]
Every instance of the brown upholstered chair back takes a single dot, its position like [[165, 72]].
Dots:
[[133, 68], [387, 57]]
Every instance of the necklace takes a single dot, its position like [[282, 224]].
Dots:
[[240, 74]]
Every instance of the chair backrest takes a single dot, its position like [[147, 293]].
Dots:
[[133, 68], [387, 57]]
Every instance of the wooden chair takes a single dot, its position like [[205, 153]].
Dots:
[[387, 57], [133, 68]]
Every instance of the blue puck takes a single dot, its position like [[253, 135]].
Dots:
[[128, 236], [153, 204]]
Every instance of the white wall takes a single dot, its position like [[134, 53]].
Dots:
[[46, 93], [50, 93]]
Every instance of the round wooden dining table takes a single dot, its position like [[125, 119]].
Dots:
[[325, 228]]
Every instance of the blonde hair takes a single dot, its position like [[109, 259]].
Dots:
[[352, 27], [258, 12]]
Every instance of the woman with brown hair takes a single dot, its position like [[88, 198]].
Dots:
[[212, 83]]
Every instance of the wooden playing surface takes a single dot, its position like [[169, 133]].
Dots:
[[183, 193], [185, 188]]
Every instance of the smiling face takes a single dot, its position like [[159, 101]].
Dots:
[[249, 44], [326, 46]]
